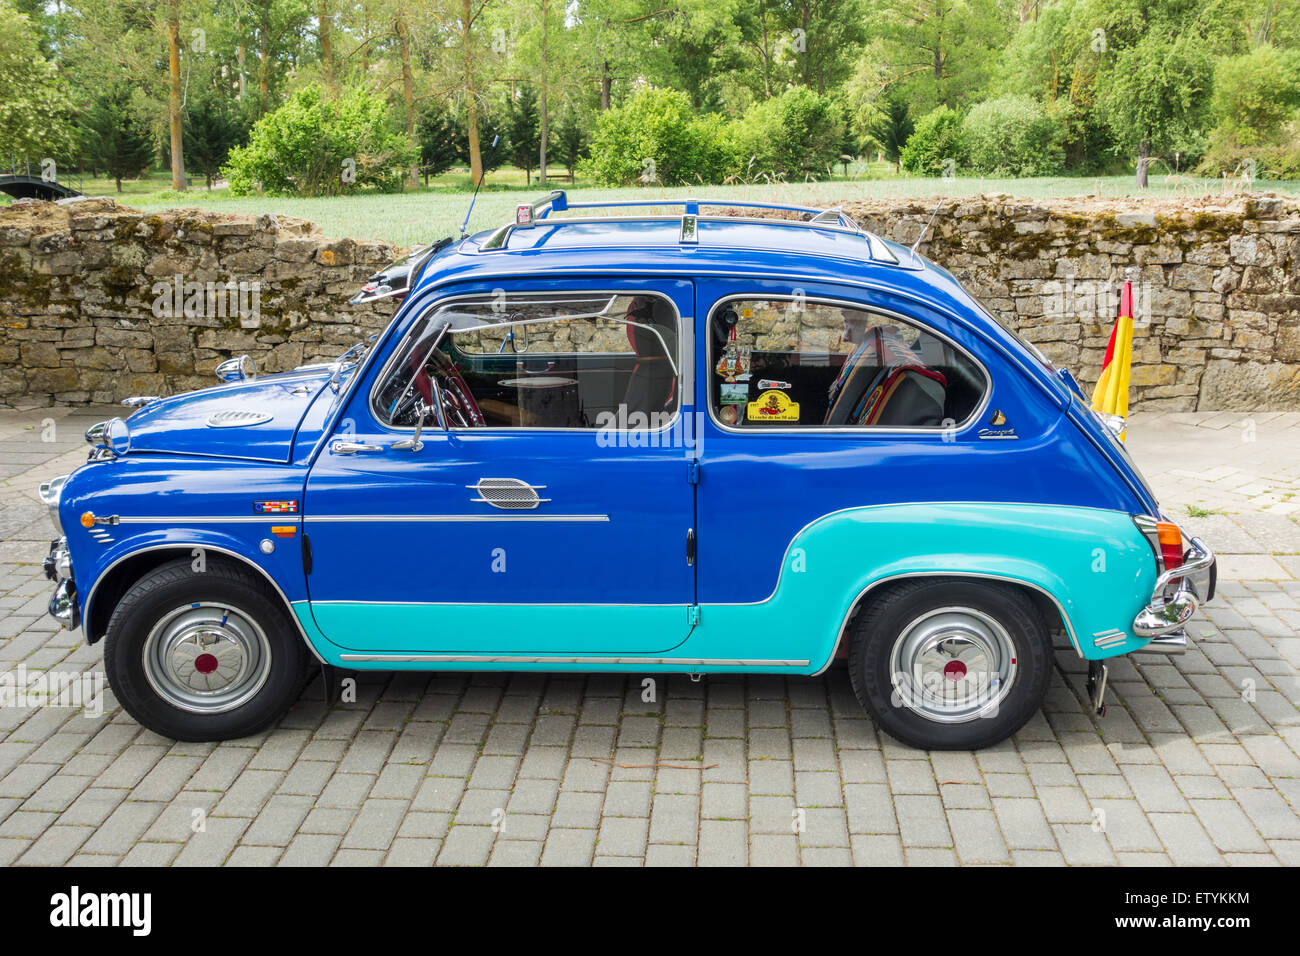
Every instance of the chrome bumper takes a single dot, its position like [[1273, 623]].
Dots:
[[58, 568], [1167, 613]]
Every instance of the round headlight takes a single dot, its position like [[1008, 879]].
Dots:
[[117, 437], [50, 491]]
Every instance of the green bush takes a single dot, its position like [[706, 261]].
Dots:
[[789, 136], [1012, 136], [315, 146], [1255, 94], [655, 138], [936, 141]]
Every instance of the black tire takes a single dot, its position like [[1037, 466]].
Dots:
[[900, 612], [166, 591]]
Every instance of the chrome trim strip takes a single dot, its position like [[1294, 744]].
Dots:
[[425, 518], [210, 519], [513, 659], [970, 421], [944, 574], [186, 546]]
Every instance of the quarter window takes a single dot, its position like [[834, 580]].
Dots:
[[797, 363], [578, 360]]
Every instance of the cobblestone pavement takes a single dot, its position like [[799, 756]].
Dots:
[[1196, 762]]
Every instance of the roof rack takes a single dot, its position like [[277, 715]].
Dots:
[[534, 213]]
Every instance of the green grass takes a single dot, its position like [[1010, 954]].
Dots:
[[1196, 511], [427, 213]]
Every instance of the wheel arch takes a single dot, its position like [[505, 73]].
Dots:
[[1047, 604], [119, 576]]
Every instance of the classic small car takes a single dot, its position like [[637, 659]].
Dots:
[[683, 438]]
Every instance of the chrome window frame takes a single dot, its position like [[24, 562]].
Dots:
[[973, 418], [685, 365]]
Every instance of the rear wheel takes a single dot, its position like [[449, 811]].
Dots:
[[208, 655], [950, 664]]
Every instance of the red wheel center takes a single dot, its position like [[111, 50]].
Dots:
[[954, 670], [207, 663]]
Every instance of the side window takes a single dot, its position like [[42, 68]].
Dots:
[[800, 363], [553, 360]]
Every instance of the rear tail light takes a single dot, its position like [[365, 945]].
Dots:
[[1171, 544], [1166, 540]]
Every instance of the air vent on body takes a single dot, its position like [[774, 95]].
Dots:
[[234, 417], [508, 494]]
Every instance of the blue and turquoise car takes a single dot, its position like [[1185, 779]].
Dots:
[[683, 438]]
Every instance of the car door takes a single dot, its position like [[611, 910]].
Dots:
[[550, 517]]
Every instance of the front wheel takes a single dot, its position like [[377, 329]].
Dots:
[[203, 655], [950, 664]]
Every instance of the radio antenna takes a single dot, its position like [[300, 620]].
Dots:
[[482, 176], [928, 224]]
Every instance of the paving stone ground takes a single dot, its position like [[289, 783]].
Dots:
[[1196, 762]]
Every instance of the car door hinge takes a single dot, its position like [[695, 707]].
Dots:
[[693, 615], [306, 554], [693, 472]]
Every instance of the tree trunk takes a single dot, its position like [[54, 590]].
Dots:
[[545, 130], [239, 60], [174, 94], [408, 90], [1144, 159], [326, 45], [606, 81]]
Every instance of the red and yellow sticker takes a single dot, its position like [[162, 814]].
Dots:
[[773, 406]]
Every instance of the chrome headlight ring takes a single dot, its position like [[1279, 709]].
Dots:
[[50, 492]]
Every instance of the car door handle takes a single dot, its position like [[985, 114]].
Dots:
[[352, 447]]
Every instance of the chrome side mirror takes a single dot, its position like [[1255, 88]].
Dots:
[[237, 369]]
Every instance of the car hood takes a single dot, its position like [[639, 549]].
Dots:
[[254, 420]]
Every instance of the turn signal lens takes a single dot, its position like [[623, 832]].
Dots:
[[88, 519], [1171, 544]]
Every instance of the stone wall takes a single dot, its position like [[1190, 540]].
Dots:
[[98, 301], [1217, 283], [90, 309]]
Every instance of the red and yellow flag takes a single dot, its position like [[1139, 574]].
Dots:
[[1110, 397]]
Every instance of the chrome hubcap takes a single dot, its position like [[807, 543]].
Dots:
[[952, 665], [206, 658]]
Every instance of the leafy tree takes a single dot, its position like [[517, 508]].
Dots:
[[117, 139], [313, 146], [570, 139], [441, 140], [1012, 136], [1156, 96], [522, 129], [212, 128], [35, 107], [939, 52], [655, 139], [891, 130], [1255, 93], [937, 145], [789, 136]]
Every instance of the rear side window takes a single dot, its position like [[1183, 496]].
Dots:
[[800, 363]]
